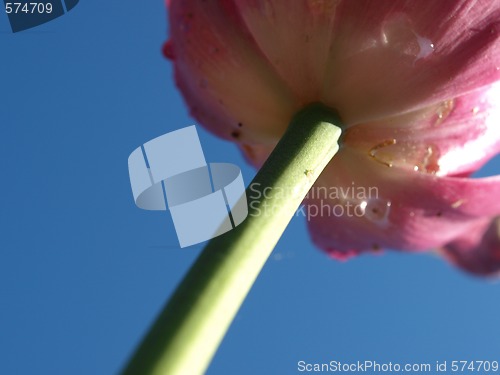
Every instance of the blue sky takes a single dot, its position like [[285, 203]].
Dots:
[[83, 272]]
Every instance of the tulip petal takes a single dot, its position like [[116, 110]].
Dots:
[[397, 208], [477, 250], [228, 85], [413, 83], [390, 57], [295, 37], [455, 137]]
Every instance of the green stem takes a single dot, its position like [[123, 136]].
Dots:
[[190, 328]]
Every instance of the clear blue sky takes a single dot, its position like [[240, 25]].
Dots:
[[83, 272]]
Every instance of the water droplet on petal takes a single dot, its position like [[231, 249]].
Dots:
[[407, 155], [443, 111], [430, 160], [380, 153], [362, 206], [398, 35], [426, 47], [377, 210], [458, 203]]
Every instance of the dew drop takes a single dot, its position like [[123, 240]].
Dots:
[[443, 111], [458, 203], [408, 155], [398, 35], [362, 206], [426, 47], [377, 210], [430, 160], [380, 153]]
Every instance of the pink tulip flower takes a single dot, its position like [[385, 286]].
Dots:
[[414, 83]]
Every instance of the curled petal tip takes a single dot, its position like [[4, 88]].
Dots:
[[168, 50], [342, 256], [478, 251]]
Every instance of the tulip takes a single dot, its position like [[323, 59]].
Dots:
[[411, 88], [414, 85]]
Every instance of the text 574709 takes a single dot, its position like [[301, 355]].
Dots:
[[28, 8]]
